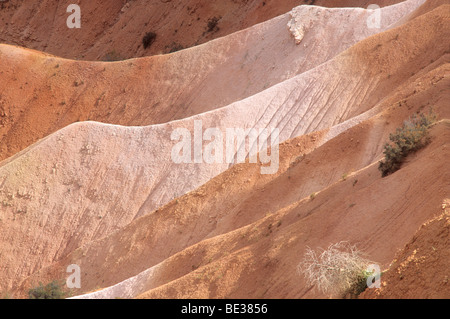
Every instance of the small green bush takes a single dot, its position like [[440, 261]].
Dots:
[[409, 138], [52, 290]]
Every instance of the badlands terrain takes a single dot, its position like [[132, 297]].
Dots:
[[88, 116]]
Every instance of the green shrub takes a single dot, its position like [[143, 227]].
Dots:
[[52, 290], [409, 138]]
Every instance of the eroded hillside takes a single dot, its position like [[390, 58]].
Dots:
[[88, 175]]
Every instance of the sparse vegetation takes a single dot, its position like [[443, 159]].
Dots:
[[78, 83], [174, 47], [409, 138], [339, 270], [212, 24], [6, 295], [53, 290], [148, 39], [112, 56]]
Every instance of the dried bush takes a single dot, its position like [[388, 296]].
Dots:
[[340, 270]]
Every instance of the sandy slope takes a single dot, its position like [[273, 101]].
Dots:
[[261, 269], [92, 188], [368, 84], [420, 269], [47, 93], [117, 27], [259, 259]]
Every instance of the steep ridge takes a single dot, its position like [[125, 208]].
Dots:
[[420, 269], [259, 259], [267, 269], [46, 93], [115, 29], [434, 74], [83, 176], [396, 221]]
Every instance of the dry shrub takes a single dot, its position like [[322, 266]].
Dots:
[[340, 270]]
